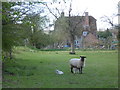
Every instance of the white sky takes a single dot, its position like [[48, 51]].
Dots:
[[97, 9]]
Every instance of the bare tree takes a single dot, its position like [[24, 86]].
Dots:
[[108, 19], [67, 24], [115, 28]]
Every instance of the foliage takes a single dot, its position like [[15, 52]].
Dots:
[[22, 24], [11, 35], [11, 32], [118, 36], [104, 34], [6, 12], [118, 33], [61, 33], [105, 37], [36, 37]]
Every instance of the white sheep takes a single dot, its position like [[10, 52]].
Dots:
[[31, 50], [77, 64], [59, 72]]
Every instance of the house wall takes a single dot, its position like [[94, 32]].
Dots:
[[83, 24], [89, 40], [89, 25], [93, 25]]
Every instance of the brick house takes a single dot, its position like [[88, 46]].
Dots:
[[87, 37]]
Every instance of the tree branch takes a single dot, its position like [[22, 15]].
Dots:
[[50, 11], [58, 11], [79, 21], [107, 19]]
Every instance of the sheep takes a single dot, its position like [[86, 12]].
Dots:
[[59, 72], [75, 70], [77, 64]]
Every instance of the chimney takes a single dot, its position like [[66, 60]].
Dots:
[[86, 13], [62, 14], [86, 19]]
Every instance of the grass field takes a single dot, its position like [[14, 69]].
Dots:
[[37, 70]]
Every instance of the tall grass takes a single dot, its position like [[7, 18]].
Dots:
[[37, 70]]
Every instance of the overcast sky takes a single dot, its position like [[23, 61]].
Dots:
[[97, 9]]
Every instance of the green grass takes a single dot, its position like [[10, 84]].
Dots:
[[37, 70]]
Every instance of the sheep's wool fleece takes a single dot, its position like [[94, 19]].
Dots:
[[77, 62]]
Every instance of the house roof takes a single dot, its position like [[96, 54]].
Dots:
[[90, 39], [77, 18], [77, 23]]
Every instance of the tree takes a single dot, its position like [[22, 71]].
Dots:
[[10, 31], [0, 31], [118, 36], [66, 25], [109, 20], [36, 24], [118, 26], [60, 30], [18, 24], [105, 37]]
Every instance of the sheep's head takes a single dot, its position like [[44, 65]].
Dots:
[[82, 58]]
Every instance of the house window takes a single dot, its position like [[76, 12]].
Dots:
[[85, 33], [77, 42]]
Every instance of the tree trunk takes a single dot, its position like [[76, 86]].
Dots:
[[34, 44], [10, 53], [72, 46]]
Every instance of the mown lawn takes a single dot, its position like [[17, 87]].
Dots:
[[37, 70]]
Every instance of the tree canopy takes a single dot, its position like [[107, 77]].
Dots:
[[20, 24]]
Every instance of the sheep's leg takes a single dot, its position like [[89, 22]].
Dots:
[[71, 69], [81, 70]]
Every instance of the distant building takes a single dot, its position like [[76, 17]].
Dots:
[[88, 28]]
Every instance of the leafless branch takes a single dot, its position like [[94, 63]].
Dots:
[[79, 20], [58, 11], [108, 20], [70, 9], [64, 1], [50, 11]]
